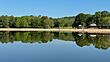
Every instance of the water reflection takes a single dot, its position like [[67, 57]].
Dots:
[[97, 40]]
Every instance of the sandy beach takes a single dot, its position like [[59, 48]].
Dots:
[[60, 30]]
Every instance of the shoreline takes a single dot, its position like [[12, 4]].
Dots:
[[59, 30]]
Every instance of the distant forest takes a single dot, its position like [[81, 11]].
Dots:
[[100, 18]]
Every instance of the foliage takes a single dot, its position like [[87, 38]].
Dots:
[[35, 22], [99, 18]]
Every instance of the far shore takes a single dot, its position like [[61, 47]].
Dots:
[[91, 30]]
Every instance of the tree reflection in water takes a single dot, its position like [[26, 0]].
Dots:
[[98, 40]]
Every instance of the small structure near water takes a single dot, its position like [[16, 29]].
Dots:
[[93, 25], [80, 26]]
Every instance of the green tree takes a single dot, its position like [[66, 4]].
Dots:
[[81, 19], [105, 13], [46, 22], [18, 22], [11, 21], [24, 22], [5, 21], [62, 23]]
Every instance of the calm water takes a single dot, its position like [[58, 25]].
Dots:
[[54, 47]]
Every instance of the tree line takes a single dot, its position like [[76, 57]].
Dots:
[[100, 18], [35, 22]]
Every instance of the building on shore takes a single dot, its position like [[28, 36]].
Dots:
[[80, 26], [93, 25]]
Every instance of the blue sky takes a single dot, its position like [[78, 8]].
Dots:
[[52, 8]]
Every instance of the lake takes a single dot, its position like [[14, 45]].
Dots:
[[54, 47]]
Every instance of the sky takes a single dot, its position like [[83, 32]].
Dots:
[[52, 8]]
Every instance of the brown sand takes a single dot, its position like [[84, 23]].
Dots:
[[63, 30]]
